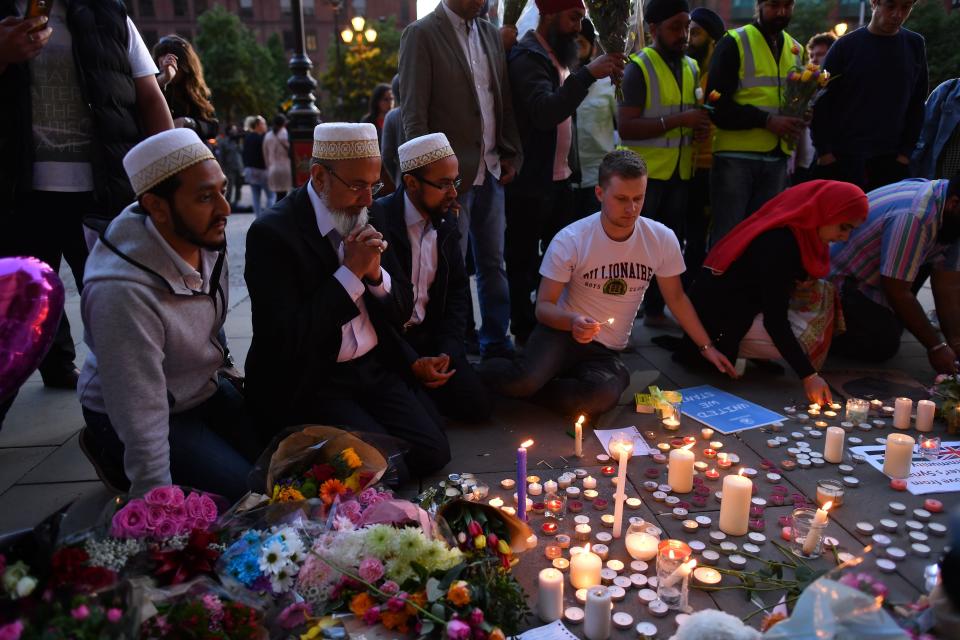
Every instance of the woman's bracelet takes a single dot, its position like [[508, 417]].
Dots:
[[937, 347]]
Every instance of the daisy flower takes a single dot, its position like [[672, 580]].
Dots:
[[273, 558]]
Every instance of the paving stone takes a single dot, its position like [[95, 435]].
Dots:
[[66, 464], [17, 462], [41, 416], [24, 506]]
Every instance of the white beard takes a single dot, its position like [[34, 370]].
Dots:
[[343, 221]]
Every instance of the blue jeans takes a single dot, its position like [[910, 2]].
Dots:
[[212, 446], [558, 372], [482, 220], [269, 199], [738, 187]]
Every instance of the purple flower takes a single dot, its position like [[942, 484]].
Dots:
[[294, 615], [167, 529], [457, 630], [80, 613], [352, 510], [130, 521], [371, 570], [155, 515], [476, 617], [169, 496], [390, 587], [11, 631], [372, 616], [3, 563], [114, 615], [194, 506], [367, 495], [208, 509], [397, 603]]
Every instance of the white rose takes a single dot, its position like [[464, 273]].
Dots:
[[699, 93], [25, 586]]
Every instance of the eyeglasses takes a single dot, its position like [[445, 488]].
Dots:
[[356, 188], [443, 185]]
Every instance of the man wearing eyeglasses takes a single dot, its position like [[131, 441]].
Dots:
[[420, 222], [327, 309]]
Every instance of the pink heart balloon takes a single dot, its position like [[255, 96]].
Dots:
[[31, 303]]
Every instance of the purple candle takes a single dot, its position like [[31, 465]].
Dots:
[[522, 479]]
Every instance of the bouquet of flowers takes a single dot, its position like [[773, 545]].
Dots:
[[512, 10], [803, 83], [163, 513], [946, 392], [615, 22], [265, 561], [202, 610], [479, 529]]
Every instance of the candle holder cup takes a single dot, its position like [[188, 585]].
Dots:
[[830, 491], [804, 527], [930, 448], [555, 506], [673, 578], [857, 410], [670, 413]]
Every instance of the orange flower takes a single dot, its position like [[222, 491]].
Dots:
[[496, 634], [459, 593], [395, 620], [714, 96], [361, 603], [288, 494], [419, 599], [770, 620], [331, 489]]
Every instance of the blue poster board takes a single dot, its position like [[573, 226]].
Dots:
[[725, 412]]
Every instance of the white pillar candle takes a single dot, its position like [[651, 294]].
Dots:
[[680, 472], [623, 451], [833, 447], [589, 482], [585, 568], [813, 535], [550, 595], [901, 413], [898, 455], [578, 439], [735, 505], [597, 614], [925, 411], [680, 573]]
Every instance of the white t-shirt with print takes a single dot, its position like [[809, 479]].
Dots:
[[62, 122], [607, 278]]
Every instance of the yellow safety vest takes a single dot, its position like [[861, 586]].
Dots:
[[673, 150], [762, 84]]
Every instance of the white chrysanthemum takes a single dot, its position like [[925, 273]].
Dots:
[[436, 556], [378, 540], [273, 557], [282, 580], [347, 547], [293, 545], [408, 544], [398, 570]]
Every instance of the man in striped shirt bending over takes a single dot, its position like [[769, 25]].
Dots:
[[912, 233]]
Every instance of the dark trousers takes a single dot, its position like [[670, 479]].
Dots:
[[212, 446], [363, 395], [532, 221], [867, 173], [665, 202], [697, 223], [740, 186], [560, 373], [463, 397]]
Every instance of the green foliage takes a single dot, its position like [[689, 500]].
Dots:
[[246, 78], [940, 30], [349, 80], [811, 17]]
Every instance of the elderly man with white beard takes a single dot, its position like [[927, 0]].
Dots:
[[328, 302]]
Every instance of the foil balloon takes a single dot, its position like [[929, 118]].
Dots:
[[31, 303]]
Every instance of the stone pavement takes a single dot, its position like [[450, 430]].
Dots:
[[42, 467]]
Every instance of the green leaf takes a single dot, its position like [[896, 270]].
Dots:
[[426, 628], [434, 592], [438, 610]]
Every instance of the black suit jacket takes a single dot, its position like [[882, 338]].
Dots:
[[299, 309], [448, 306]]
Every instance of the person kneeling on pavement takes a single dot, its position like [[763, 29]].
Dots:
[[595, 273], [420, 221], [153, 303]]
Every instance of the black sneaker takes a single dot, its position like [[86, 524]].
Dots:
[[110, 475], [62, 379]]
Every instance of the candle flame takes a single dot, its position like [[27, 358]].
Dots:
[[586, 549], [580, 421], [827, 505], [688, 446], [610, 321], [740, 473], [691, 564], [526, 443]]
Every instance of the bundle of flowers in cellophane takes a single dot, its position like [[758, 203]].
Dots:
[[512, 10], [803, 83], [200, 609], [479, 529], [615, 22]]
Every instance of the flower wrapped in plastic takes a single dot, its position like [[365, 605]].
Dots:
[[485, 530], [616, 25], [200, 609]]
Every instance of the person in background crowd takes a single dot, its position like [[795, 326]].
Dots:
[[69, 117], [596, 126], [752, 140], [706, 29], [231, 161], [805, 155], [660, 119], [938, 150], [867, 122], [595, 273], [912, 233], [420, 222], [743, 296], [546, 94], [381, 102], [187, 94], [255, 165], [154, 300], [392, 136], [453, 80], [276, 155]]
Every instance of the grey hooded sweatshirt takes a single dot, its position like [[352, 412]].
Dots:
[[153, 340]]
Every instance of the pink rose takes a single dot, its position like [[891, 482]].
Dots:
[[130, 521], [167, 529], [367, 495], [155, 515], [372, 616], [193, 506], [208, 509], [11, 631], [457, 630], [169, 496], [294, 615], [389, 587], [114, 615], [351, 510], [397, 603], [80, 613], [371, 570]]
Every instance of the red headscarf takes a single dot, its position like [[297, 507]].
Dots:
[[803, 208]]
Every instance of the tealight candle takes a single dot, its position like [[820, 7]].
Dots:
[[608, 471], [723, 461], [607, 520], [549, 528], [830, 414], [706, 433], [535, 489], [633, 503], [820, 424], [508, 483], [550, 486], [496, 502], [582, 532], [707, 576], [552, 551], [509, 510], [590, 494], [589, 482], [716, 445], [712, 474], [616, 565], [561, 564], [709, 453]]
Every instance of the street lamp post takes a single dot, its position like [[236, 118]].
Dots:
[[304, 114], [357, 33]]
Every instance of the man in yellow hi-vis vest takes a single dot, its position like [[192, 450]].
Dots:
[[753, 139], [659, 120]]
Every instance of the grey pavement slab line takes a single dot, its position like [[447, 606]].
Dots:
[[15, 463], [66, 464], [24, 506]]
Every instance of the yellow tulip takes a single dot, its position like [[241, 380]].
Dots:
[[503, 547], [806, 75]]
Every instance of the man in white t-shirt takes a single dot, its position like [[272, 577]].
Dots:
[[595, 273]]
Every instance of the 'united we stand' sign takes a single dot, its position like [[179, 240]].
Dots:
[[926, 476]]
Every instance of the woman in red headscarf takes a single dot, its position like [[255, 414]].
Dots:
[[756, 268]]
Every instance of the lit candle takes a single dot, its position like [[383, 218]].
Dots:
[[707, 576], [680, 573], [597, 614], [550, 595], [816, 529], [610, 321], [550, 486], [735, 505], [833, 446], [582, 531], [898, 455], [585, 568], [549, 528], [578, 442], [680, 471], [608, 470], [589, 482], [901, 413], [712, 474], [561, 564], [710, 453], [706, 433], [925, 411], [535, 488], [641, 545], [723, 460], [623, 450], [830, 414], [522, 477], [496, 502]]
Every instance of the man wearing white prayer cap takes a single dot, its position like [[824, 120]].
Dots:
[[420, 221], [154, 301], [329, 301]]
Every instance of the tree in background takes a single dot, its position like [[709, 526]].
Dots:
[[812, 17], [246, 78], [347, 83]]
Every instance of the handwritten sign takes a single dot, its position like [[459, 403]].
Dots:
[[926, 476], [640, 446], [725, 412]]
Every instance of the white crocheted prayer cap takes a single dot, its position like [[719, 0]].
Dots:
[[345, 141], [163, 155], [422, 151]]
